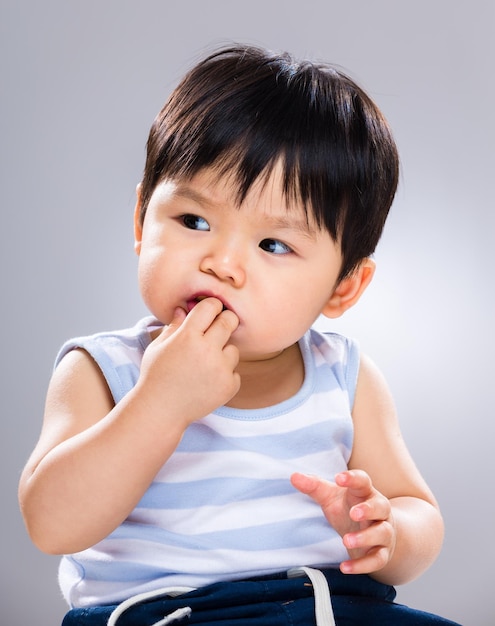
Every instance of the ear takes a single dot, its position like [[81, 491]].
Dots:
[[138, 226], [349, 290]]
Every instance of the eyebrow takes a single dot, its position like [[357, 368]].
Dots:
[[183, 191], [286, 221], [296, 224]]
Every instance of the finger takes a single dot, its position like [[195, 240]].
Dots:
[[177, 321], [231, 357], [304, 482], [179, 316], [207, 312], [236, 383], [373, 561], [378, 534], [357, 482], [375, 508], [222, 327], [322, 491], [203, 314]]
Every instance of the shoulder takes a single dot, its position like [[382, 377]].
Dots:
[[136, 338], [115, 356], [342, 354], [374, 405], [371, 381]]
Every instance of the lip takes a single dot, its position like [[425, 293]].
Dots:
[[197, 297]]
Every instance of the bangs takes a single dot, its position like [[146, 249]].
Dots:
[[243, 126], [242, 111]]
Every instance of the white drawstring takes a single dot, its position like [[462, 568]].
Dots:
[[141, 597], [176, 616], [323, 605]]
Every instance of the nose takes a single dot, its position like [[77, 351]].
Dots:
[[226, 261]]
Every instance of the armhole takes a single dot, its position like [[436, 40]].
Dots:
[[101, 359], [353, 361], [117, 354]]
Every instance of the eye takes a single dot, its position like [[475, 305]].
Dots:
[[274, 246], [194, 222]]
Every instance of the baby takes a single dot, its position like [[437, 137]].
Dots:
[[222, 461]]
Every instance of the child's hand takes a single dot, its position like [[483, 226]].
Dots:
[[359, 513], [189, 369]]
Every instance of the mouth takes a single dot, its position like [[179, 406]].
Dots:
[[196, 299]]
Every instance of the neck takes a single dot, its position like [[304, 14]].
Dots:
[[268, 382]]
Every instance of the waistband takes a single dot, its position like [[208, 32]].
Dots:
[[268, 588]]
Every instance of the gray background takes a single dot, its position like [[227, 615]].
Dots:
[[81, 82]]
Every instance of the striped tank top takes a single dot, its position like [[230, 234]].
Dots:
[[222, 507]]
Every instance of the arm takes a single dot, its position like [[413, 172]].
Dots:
[[94, 461], [382, 507]]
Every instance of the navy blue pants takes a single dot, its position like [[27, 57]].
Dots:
[[270, 601]]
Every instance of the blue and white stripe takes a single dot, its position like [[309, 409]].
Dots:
[[223, 507]]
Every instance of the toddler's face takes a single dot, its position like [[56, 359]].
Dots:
[[262, 259]]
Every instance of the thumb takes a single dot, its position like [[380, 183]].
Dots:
[[305, 483], [177, 320], [322, 491]]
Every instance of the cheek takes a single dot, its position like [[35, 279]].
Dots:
[[297, 310], [301, 297], [150, 275], [145, 281], [285, 318]]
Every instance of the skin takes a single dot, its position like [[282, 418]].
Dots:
[[206, 271]]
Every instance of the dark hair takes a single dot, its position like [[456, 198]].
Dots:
[[243, 109]]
